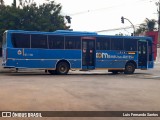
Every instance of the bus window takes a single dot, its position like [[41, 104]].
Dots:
[[130, 44], [38, 41], [117, 44], [72, 42], [20, 40], [103, 44], [56, 42]]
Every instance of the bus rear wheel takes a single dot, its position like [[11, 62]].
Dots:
[[62, 68], [129, 68]]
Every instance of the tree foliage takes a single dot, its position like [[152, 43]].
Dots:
[[1, 2], [28, 16], [148, 25]]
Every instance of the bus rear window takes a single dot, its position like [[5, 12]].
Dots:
[[20, 40], [4, 39]]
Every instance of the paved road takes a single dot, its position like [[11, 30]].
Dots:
[[80, 91]]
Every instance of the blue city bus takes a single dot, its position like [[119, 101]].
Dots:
[[62, 50]]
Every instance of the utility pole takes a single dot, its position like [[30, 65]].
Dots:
[[158, 10], [159, 22], [158, 44]]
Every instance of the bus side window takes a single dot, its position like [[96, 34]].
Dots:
[[116, 43], [56, 42], [20, 40], [103, 43], [130, 44], [72, 42], [39, 41]]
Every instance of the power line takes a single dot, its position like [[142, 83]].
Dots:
[[104, 8], [114, 29]]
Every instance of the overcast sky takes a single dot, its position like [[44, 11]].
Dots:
[[97, 15]]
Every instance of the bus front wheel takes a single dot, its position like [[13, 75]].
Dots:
[[62, 68], [129, 68]]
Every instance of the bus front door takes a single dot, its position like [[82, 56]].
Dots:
[[88, 53], [142, 54]]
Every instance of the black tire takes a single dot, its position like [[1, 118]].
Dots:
[[52, 72], [62, 68], [129, 68]]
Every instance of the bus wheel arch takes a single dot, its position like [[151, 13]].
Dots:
[[130, 67], [62, 67]]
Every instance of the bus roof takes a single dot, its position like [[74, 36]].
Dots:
[[75, 33], [57, 32]]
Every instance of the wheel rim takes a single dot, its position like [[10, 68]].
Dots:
[[129, 68], [63, 69]]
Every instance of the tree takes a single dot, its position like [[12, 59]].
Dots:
[[1, 2], [151, 24], [14, 4], [29, 16], [148, 25], [23, 3]]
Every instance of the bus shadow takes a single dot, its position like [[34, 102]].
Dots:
[[142, 76], [33, 73]]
